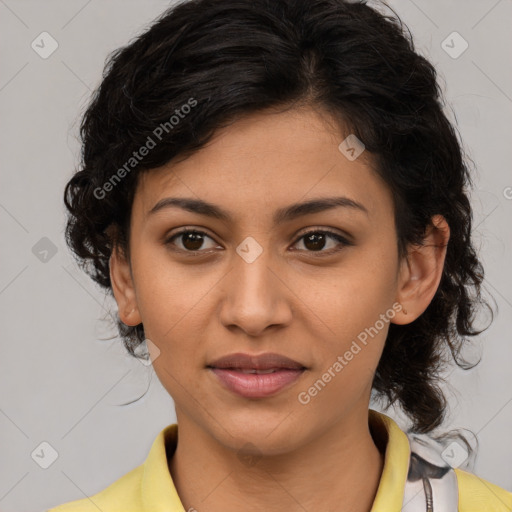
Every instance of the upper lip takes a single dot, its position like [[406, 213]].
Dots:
[[265, 361]]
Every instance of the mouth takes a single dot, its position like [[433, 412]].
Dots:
[[256, 375], [255, 370], [255, 383]]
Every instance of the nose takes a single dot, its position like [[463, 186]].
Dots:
[[255, 296]]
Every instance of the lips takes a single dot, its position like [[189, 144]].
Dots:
[[262, 363], [256, 376], [254, 385], [253, 370]]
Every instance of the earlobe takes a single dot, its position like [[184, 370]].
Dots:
[[422, 270], [123, 288]]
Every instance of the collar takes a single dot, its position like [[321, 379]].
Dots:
[[390, 493], [159, 493], [157, 488]]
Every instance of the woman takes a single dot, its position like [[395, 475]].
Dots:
[[278, 204]]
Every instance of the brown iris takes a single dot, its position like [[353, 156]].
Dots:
[[314, 241], [192, 240]]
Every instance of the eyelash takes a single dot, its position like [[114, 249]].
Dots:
[[342, 240]]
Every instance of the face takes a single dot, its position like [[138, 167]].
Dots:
[[318, 286]]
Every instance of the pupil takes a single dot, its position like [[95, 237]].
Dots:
[[311, 241], [192, 240]]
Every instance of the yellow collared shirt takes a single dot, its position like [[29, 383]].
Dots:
[[150, 488]]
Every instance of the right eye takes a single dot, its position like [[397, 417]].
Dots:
[[191, 240]]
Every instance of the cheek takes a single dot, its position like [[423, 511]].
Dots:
[[355, 309], [350, 356], [167, 292], [351, 299], [171, 303], [177, 340]]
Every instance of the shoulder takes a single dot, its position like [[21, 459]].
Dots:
[[122, 495], [148, 486], [479, 495]]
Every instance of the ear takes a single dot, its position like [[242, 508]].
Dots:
[[123, 288], [421, 271]]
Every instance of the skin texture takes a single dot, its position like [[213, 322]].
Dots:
[[290, 300]]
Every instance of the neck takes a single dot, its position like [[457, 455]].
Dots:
[[339, 469]]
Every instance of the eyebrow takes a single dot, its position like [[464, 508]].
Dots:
[[282, 215]]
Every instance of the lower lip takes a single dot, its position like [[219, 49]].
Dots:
[[254, 385]]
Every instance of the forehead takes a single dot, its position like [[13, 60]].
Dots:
[[266, 161]]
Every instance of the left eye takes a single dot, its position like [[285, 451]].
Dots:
[[191, 240], [315, 241]]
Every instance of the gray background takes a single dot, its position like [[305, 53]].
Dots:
[[60, 382]]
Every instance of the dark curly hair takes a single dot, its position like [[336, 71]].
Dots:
[[203, 64]]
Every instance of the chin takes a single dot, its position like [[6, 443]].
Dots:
[[261, 436]]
